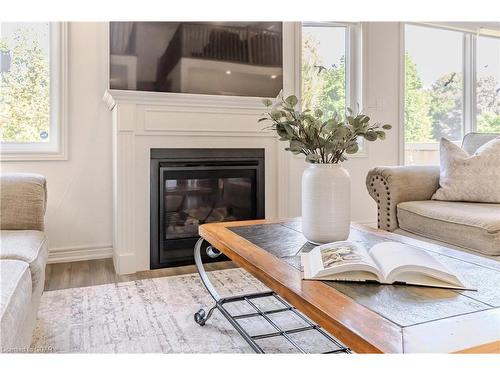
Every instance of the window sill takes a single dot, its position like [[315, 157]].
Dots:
[[33, 156]]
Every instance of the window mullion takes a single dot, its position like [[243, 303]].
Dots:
[[469, 85], [348, 69], [473, 82], [353, 74]]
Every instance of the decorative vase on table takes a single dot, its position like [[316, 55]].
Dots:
[[326, 203], [325, 142]]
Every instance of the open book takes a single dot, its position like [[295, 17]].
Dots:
[[386, 262]]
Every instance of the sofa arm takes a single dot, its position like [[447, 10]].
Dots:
[[23, 201], [389, 186]]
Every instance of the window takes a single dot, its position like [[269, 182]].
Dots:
[[330, 67], [446, 83], [488, 84], [324, 67], [32, 90]]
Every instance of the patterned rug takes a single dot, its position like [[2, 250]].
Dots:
[[156, 316]]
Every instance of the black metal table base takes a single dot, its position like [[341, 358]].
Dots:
[[201, 316]]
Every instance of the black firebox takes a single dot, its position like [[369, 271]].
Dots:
[[191, 187]]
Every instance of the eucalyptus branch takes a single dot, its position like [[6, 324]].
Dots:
[[320, 140]]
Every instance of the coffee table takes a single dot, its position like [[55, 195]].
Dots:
[[366, 317]]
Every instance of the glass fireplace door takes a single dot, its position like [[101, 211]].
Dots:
[[192, 196]]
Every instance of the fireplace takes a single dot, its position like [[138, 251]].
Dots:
[[190, 187]]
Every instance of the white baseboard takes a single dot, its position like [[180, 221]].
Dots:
[[124, 263], [73, 254]]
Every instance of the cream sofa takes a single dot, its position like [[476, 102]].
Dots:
[[403, 195], [23, 256]]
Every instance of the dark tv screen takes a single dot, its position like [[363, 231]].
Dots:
[[215, 58]]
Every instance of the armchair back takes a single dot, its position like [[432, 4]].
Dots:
[[472, 141]]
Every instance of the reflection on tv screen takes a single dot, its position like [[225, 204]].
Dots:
[[216, 58]]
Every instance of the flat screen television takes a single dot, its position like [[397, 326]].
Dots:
[[215, 58]]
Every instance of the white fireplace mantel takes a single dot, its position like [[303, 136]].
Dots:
[[142, 121], [113, 97]]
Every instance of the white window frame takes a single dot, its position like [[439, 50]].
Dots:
[[56, 148], [354, 67], [469, 100]]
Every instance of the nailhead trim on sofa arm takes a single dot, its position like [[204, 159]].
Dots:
[[389, 186]]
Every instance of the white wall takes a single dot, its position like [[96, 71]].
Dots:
[[79, 214], [78, 219]]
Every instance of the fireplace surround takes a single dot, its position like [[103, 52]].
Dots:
[[193, 186], [142, 121]]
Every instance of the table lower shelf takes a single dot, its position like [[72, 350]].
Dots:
[[290, 335]]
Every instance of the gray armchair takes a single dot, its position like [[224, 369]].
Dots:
[[23, 256], [403, 195]]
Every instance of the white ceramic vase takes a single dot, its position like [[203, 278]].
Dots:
[[326, 203]]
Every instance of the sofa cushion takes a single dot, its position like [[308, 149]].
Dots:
[[15, 300], [23, 201], [475, 226], [29, 246], [469, 178]]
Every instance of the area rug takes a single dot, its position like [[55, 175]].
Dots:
[[156, 316]]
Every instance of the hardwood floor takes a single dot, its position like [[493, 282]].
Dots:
[[101, 271]]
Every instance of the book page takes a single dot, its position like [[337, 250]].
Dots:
[[343, 257], [395, 259], [342, 253]]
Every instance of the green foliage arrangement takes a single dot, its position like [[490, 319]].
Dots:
[[321, 140]]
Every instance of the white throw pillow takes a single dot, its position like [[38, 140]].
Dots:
[[469, 178]]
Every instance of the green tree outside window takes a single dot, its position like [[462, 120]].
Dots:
[[24, 90]]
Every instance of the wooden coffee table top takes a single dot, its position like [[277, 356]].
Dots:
[[369, 317]]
